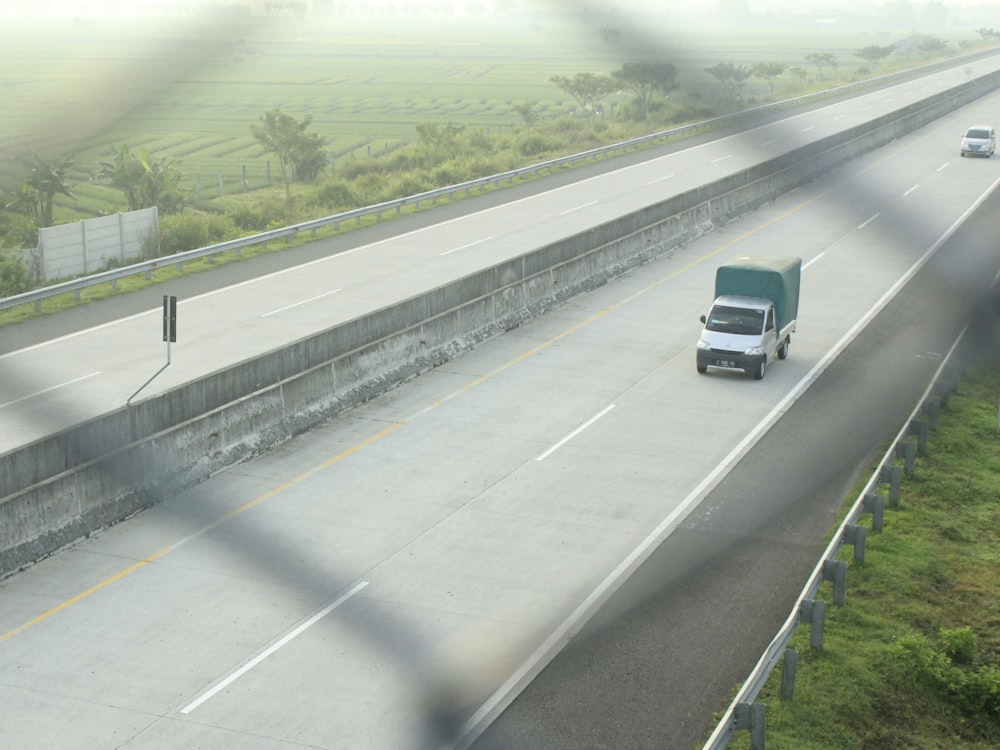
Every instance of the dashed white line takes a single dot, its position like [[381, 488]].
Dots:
[[273, 647], [466, 247], [942, 167], [659, 179], [577, 208], [721, 158], [807, 129], [911, 190], [49, 389], [575, 432], [868, 221], [301, 302]]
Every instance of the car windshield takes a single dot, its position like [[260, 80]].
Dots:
[[978, 133], [735, 320]]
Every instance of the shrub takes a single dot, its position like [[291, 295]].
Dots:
[[191, 230], [13, 274]]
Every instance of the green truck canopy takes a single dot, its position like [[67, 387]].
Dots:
[[775, 278]]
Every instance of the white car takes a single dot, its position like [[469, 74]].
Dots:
[[980, 140]]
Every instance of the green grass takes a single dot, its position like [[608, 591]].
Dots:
[[912, 661], [190, 92]]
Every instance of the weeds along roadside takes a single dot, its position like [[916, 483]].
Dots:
[[912, 660]]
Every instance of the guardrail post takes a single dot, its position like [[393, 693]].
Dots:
[[874, 504], [918, 427], [893, 475], [836, 571], [856, 536], [907, 450], [751, 716], [789, 666], [932, 408], [814, 612]]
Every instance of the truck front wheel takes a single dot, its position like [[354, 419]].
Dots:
[[783, 349], [758, 374]]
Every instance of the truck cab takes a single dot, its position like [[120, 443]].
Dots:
[[754, 314], [740, 333]]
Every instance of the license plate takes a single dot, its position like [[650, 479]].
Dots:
[[726, 363]]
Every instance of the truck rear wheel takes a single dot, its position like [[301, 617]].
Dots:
[[783, 349], [761, 368]]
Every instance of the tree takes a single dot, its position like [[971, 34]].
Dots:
[[822, 61], [769, 71], [733, 77], [124, 172], [587, 88], [44, 181], [647, 79], [281, 134], [146, 181], [527, 113], [874, 53]]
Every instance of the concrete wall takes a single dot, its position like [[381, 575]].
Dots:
[[60, 488], [88, 246]]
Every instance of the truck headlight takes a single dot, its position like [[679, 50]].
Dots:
[[703, 345], [754, 351]]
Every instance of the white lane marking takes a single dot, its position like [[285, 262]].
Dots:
[[868, 221], [472, 216], [297, 304], [721, 158], [466, 247], [50, 388], [659, 179], [942, 167], [810, 262], [840, 117], [273, 647], [577, 208], [575, 432], [807, 129], [502, 697], [911, 190], [768, 143]]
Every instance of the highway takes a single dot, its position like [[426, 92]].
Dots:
[[428, 553]]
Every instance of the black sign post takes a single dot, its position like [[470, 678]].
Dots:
[[169, 336], [169, 320]]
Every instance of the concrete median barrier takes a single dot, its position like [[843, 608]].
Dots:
[[63, 487]]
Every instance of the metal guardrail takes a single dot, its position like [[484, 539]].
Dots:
[[743, 713], [147, 267]]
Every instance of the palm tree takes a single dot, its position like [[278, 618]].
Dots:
[[46, 179]]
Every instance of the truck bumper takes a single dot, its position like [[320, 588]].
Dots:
[[728, 361]]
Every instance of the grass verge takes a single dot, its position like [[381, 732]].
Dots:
[[912, 661]]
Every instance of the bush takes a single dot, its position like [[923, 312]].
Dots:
[[191, 230], [259, 215], [13, 275], [334, 195], [17, 230]]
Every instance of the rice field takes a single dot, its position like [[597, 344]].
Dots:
[[190, 92]]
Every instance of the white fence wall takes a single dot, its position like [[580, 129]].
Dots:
[[88, 246]]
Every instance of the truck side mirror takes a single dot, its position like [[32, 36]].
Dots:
[[702, 318]]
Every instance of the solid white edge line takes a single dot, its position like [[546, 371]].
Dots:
[[50, 388], [233, 676], [574, 623], [575, 432]]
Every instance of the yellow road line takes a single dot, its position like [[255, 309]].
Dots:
[[392, 428]]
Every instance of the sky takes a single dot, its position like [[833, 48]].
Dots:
[[97, 8]]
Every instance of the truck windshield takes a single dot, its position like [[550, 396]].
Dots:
[[735, 320]]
